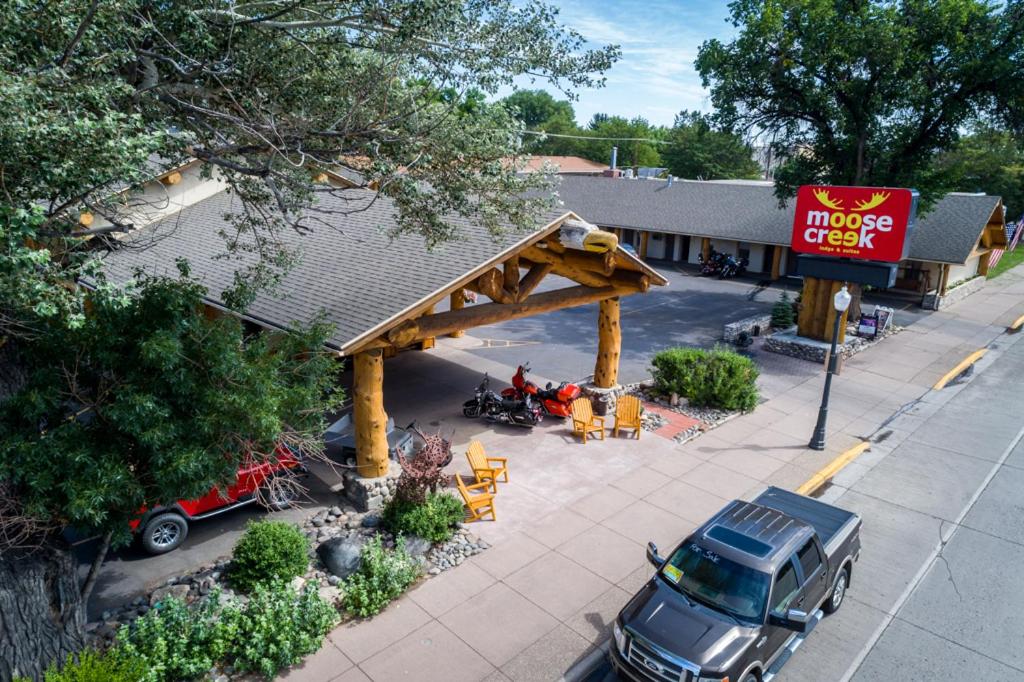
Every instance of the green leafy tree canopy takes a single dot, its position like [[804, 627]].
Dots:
[[699, 151], [989, 160], [866, 91]]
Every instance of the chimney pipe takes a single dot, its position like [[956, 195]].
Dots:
[[615, 158]]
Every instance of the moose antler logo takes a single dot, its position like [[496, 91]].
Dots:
[[822, 195], [877, 199]]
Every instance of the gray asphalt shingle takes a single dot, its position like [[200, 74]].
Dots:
[[749, 212], [352, 271]]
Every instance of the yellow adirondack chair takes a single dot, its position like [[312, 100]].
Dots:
[[486, 468], [627, 415], [584, 422], [479, 504]]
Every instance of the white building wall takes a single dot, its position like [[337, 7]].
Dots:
[[724, 246], [677, 248], [958, 273], [694, 256], [757, 258], [656, 245]]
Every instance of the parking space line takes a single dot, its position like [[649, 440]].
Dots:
[[1016, 324], [833, 468], [959, 369]]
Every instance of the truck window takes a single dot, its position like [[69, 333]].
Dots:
[[809, 558], [717, 582], [785, 588]]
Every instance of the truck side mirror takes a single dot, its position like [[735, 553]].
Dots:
[[793, 619], [652, 555]]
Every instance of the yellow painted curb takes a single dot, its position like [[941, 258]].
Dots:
[[833, 468], [1017, 324], [955, 372]]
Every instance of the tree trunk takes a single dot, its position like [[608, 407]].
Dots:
[[42, 616]]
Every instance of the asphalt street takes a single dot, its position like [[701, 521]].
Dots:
[[936, 594]]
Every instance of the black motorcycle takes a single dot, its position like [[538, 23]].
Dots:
[[733, 267], [493, 407], [713, 264]]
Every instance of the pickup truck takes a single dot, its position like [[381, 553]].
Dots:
[[737, 597]]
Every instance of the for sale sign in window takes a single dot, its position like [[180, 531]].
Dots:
[[867, 223]]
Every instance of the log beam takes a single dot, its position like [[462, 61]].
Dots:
[[370, 418], [492, 285], [490, 313], [457, 302], [572, 259], [609, 344], [533, 277], [511, 277]]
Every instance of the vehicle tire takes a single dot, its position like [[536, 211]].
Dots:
[[164, 533], [277, 498], [835, 600], [752, 677], [471, 409]]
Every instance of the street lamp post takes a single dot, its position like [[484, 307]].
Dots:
[[841, 302]]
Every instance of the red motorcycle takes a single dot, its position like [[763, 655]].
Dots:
[[555, 400]]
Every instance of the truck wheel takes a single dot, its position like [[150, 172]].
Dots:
[[752, 677], [277, 497], [835, 600], [164, 532]]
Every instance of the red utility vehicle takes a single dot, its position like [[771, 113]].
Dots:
[[556, 400], [164, 528]]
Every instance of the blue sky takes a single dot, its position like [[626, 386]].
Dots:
[[655, 77]]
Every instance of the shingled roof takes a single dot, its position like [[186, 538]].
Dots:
[[750, 212], [361, 278]]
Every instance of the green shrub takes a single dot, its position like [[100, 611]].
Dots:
[[278, 626], [434, 520], [176, 642], [717, 378], [383, 576], [782, 312], [269, 551], [95, 666]]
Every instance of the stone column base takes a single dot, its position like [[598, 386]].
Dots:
[[603, 399], [371, 494]]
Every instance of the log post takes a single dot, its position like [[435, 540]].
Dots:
[[644, 238], [705, 248], [511, 277], [457, 302], [371, 420], [944, 279], [983, 263], [776, 261], [609, 344]]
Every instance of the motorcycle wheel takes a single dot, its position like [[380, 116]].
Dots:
[[471, 409]]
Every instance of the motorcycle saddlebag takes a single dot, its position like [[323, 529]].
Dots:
[[568, 393]]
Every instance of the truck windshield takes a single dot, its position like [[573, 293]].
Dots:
[[717, 582]]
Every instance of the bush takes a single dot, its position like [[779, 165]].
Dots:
[[782, 312], [178, 643], [95, 666], [278, 626], [269, 551], [383, 576], [434, 520], [717, 378]]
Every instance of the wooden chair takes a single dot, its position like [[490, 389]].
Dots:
[[583, 420], [479, 504], [627, 415], [486, 469]]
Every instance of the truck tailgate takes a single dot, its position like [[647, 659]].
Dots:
[[826, 519]]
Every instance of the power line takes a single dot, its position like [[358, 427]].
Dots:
[[590, 137]]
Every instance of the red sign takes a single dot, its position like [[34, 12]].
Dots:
[[869, 223]]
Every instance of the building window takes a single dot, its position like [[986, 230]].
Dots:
[[743, 250]]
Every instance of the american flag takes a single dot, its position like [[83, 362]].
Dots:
[[1013, 232]]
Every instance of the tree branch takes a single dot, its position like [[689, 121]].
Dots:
[[82, 27]]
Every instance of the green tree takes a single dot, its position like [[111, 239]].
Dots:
[[866, 92], [143, 402], [696, 149], [534, 108], [629, 135], [989, 160]]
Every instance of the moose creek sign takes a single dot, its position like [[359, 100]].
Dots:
[[865, 223]]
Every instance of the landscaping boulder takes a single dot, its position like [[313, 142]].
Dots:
[[417, 546], [179, 591], [341, 555]]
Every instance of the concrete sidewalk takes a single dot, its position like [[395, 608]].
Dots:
[[568, 546]]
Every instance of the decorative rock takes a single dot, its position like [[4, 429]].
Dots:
[[341, 556], [416, 545], [333, 580], [371, 520], [178, 591], [297, 583], [335, 510], [332, 595]]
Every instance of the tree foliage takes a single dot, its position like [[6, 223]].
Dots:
[[146, 400], [94, 91], [697, 150], [865, 91], [989, 160]]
